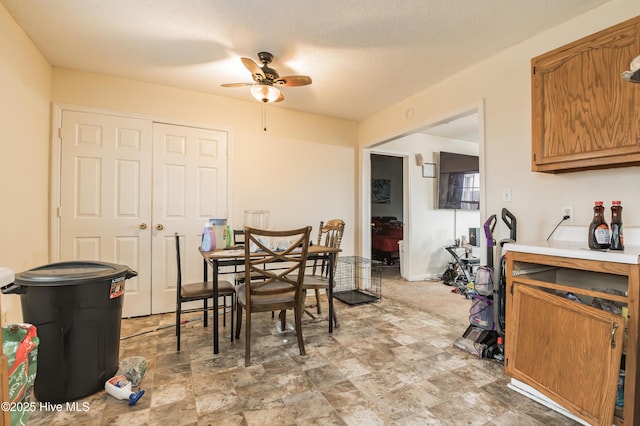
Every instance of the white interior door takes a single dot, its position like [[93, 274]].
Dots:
[[189, 187], [105, 201], [126, 186]]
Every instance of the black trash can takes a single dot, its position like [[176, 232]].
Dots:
[[76, 307]]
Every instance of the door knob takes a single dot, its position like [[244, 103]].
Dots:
[[159, 227], [143, 226]]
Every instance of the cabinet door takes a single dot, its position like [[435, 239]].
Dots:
[[584, 115], [566, 350]]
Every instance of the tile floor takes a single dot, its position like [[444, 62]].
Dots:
[[388, 364]]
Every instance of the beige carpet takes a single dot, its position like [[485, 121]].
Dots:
[[428, 296]]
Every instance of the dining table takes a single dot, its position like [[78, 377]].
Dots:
[[234, 257]]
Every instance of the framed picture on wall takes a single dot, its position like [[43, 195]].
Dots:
[[381, 191]]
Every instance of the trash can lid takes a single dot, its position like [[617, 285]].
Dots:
[[71, 273]]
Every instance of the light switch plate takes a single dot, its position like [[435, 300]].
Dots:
[[506, 195]]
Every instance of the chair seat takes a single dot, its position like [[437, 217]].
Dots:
[[314, 281], [266, 299], [202, 289]]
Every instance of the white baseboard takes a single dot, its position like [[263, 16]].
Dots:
[[531, 393]]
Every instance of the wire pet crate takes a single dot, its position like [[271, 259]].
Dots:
[[358, 280]]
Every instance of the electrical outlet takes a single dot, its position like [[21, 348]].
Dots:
[[568, 211]]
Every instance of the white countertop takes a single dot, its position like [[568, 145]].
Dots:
[[571, 242], [578, 250]]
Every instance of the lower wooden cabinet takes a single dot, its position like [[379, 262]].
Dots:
[[568, 350]]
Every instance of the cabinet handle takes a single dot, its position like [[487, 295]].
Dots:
[[159, 227], [142, 226], [614, 328]]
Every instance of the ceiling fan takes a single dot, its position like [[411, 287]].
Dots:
[[266, 79]]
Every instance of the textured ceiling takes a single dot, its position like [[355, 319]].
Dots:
[[363, 55]]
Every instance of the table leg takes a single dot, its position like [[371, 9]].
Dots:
[[205, 278], [214, 264]]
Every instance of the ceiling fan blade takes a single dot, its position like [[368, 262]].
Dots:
[[255, 69], [280, 98], [293, 80], [236, 84]]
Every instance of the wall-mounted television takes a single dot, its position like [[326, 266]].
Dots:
[[458, 181]]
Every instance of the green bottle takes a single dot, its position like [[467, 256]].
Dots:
[[227, 236]]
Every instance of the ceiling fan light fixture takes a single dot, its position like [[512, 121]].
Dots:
[[265, 93]]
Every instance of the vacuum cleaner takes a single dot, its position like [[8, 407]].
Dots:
[[484, 337], [496, 351]]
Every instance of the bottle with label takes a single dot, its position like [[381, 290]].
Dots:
[[598, 230], [119, 387], [617, 239], [208, 238], [227, 235]]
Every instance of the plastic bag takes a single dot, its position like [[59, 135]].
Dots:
[[133, 368], [20, 345]]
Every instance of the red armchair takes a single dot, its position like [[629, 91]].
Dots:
[[385, 234]]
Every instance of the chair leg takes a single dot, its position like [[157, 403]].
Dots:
[[318, 301], [283, 320], [177, 318], [298, 318], [239, 309], [231, 316], [224, 311], [247, 341], [205, 313], [178, 312]]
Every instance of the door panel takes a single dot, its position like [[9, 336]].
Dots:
[[190, 186], [127, 185], [105, 176], [568, 351]]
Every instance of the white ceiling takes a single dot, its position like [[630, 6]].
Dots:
[[363, 55], [463, 128]]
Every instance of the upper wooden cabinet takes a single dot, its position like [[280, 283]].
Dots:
[[584, 115]]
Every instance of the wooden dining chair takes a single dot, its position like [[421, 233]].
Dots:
[[281, 287], [330, 235], [199, 291], [238, 240]]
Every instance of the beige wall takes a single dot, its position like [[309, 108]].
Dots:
[[265, 166], [301, 169], [25, 85], [503, 81], [263, 162]]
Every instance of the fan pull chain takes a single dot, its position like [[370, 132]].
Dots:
[[264, 116]]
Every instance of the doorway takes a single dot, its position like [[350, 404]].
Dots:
[[387, 207], [428, 229]]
